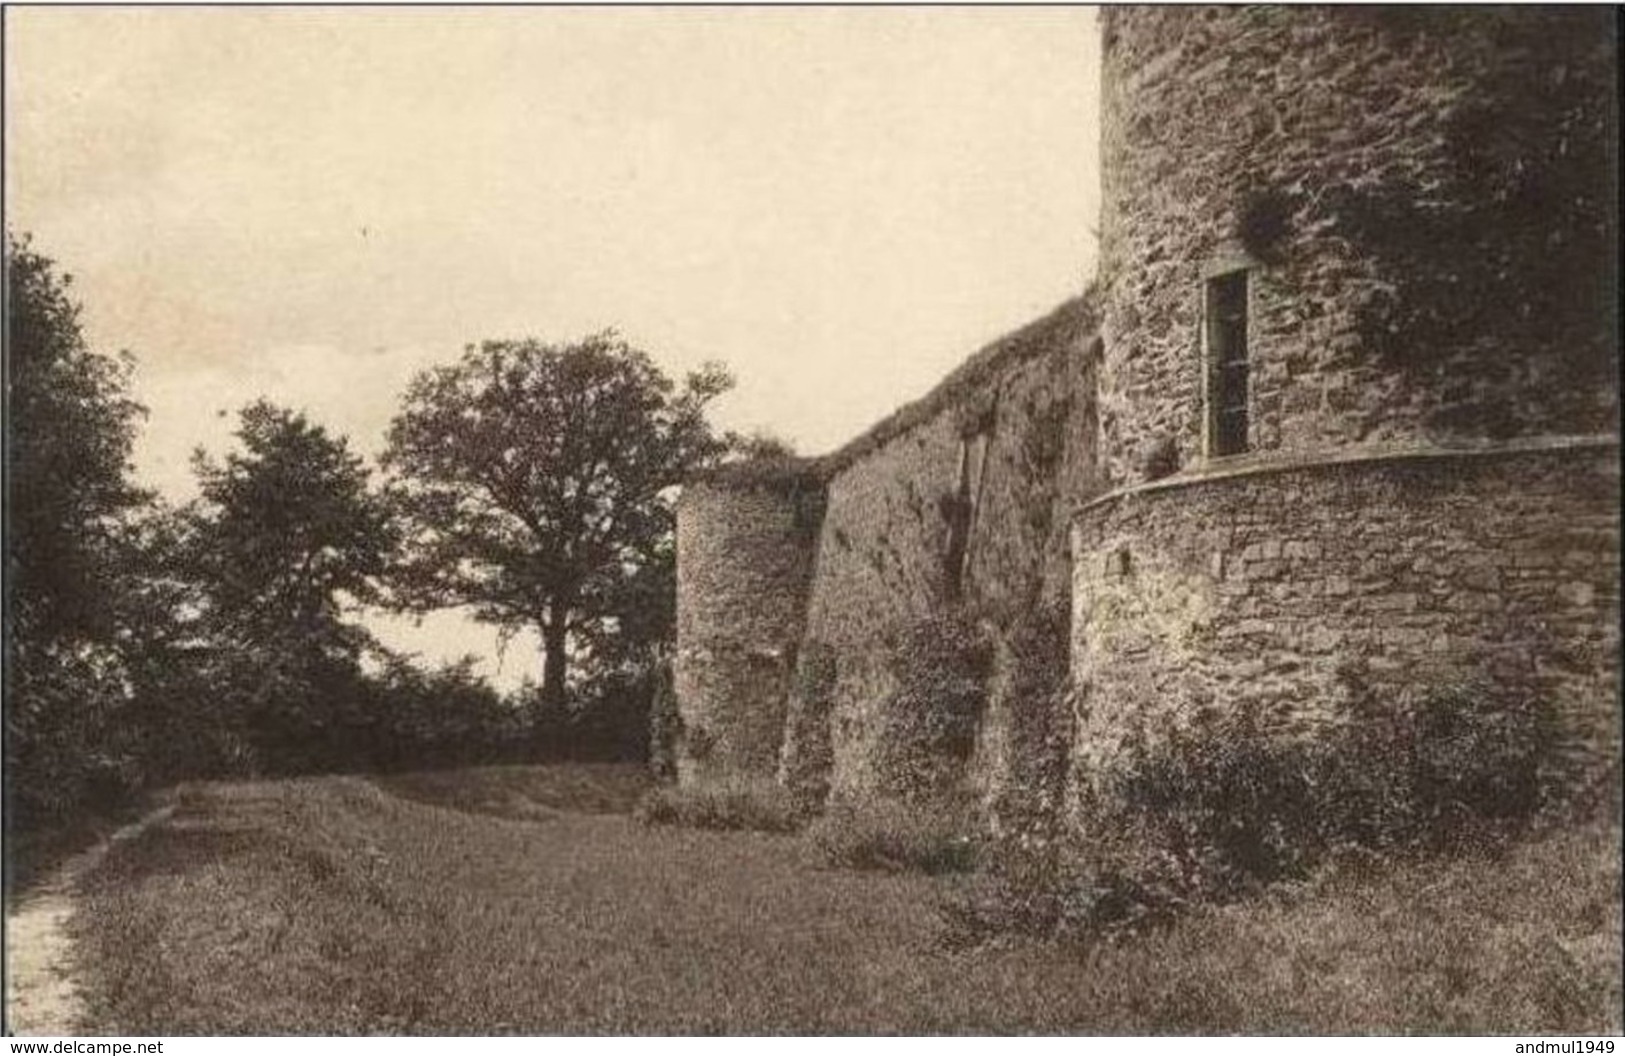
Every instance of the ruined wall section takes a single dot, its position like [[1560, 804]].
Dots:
[[1261, 590], [744, 565], [954, 510], [1042, 466], [1425, 200], [882, 568], [1039, 466]]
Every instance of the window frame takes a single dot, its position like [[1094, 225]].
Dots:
[[1214, 281]]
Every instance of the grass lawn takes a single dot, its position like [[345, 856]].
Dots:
[[524, 900]]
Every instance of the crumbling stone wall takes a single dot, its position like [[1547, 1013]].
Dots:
[[1259, 590], [881, 568], [1424, 197], [958, 508], [744, 563]]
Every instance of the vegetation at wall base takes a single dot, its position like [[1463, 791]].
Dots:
[[733, 802], [808, 756], [1224, 810], [943, 835], [1031, 690]]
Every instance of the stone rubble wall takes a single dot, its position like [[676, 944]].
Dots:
[[1024, 436]]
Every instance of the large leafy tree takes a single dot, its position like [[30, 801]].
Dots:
[[538, 482], [71, 425], [69, 504], [287, 539]]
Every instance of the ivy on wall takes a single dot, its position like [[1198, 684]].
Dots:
[[807, 759], [1516, 244], [929, 724]]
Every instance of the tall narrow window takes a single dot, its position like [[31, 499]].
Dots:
[[1227, 363]]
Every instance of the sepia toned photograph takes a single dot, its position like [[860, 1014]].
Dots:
[[660, 520]]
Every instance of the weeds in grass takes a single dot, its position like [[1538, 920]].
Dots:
[[729, 803], [1522, 937], [937, 836]]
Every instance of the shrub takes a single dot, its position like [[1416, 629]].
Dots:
[[416, 718], [1029, 688], [64, 751], [609, 719], [1438, 767], [940, 836], [731, 803], [1038, 889], [1225, 808], [1478, 754]]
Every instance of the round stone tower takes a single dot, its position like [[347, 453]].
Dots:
[[1393, 225], [744, 565], [1358, 394]]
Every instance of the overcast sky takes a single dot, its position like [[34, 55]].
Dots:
[[313, 204]]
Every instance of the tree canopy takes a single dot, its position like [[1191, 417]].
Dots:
[[289, 530], [287, 535], [69, 507], [538, 483], [72, 425]]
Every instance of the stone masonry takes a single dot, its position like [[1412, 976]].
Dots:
[[1416, 492]]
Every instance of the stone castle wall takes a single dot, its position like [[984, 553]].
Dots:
[[1430, 489], [797, 630], [960, 514], [1424, 496]]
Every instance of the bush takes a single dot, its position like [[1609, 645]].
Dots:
[[732, 803], [1225, 808], [609, 720], [894, 836], [68, 745], [415, 718], [1047, 892]]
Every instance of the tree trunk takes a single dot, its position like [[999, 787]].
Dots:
[[554, 661]]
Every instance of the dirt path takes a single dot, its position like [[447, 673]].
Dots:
[[42, 999]]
